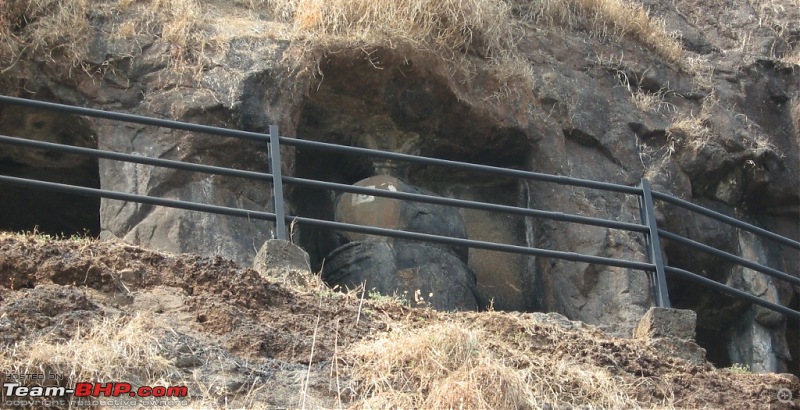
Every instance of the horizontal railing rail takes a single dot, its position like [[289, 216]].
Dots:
[[730, 257], [369, 230], [736, 293], [727, 219], [136, 119], [262, 176], [656, 267], [259, 137], [460, 203], [464, 166]]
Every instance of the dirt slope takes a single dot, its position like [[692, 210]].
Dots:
[[110, 312]]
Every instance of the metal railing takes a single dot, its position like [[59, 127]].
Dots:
[[655, 266]]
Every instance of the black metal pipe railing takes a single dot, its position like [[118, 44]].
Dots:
[[136, 119], [142, 199], [139, 159], [648, 215], [460, 203], [732, 291], [733, 258], [643, 192], [254, 136], [487, 169], [267, 216], [727, 219], [277, 183], [260, 176]]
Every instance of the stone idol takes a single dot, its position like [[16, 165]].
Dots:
[[424, 273]]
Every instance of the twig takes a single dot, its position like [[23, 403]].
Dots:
[[311, 358], [336, 365], [360, 304]]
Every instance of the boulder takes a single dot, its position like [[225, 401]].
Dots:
[[422, 273], [397, 214]]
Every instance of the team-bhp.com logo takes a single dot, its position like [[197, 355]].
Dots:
[[15, 394]]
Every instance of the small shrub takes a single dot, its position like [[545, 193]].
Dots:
[[739, 368]]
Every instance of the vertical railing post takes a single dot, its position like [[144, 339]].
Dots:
[[277, 182], [653, 245]]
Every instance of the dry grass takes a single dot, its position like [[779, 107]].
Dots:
[[606, 18], [59, 29], [455, 37], [462, 364], [792, 58], [455, 31], [691, 130], [654, 102], [46, 27], [111, 350], [442, 26], [178, 19], [119, 349]]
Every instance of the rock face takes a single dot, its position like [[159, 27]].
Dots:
[[718, 127]]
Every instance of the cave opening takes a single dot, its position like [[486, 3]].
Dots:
[[727, 327], [793, 338], [408, 109], [715, 311], [28, 209]]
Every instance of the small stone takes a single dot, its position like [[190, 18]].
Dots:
[[666, 322], [283, 261]]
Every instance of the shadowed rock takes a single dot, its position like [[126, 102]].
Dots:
[[420, 272]]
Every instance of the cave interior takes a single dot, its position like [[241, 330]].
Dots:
[[30, 209]]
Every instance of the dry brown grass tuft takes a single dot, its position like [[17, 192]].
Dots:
[[606, 18], [45, 27], [456, 31], [792, 58], [691, 130], [178, 18], [443, 26], [121, 348], [457, 37], [60, 29], [462, 364]]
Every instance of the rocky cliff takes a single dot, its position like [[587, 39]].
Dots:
[[700, 99]]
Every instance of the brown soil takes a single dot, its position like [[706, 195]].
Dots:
[[240, 340]]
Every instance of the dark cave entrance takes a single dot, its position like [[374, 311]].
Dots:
[[29, 209], [409, 109], [715, 311], [723, 322], [793, 339]]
